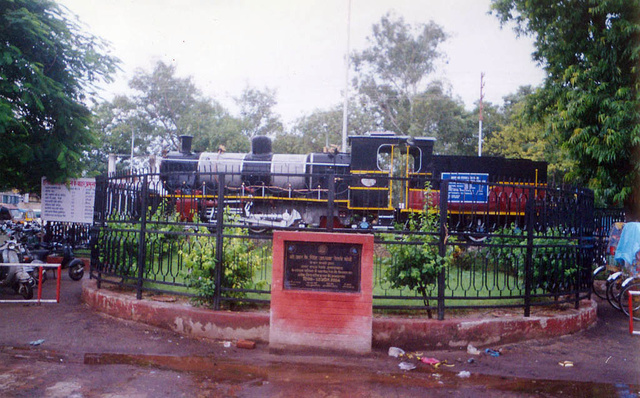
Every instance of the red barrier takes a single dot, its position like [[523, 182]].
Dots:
[[40, 275], [631, 294]]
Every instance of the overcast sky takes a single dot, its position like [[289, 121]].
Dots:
[[297, 46]]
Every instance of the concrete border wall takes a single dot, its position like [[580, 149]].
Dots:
[[410, 334]]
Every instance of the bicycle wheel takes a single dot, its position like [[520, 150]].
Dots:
[[597, 276], [635, 300], [613, 293]]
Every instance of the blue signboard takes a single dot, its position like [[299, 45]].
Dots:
[[463, 187]]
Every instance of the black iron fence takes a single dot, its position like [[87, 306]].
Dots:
[[76, 234], [480, 246], [604, 220]]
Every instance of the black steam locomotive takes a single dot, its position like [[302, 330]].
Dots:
[[384, 179]]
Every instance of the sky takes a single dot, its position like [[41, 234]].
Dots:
[[297, 47]]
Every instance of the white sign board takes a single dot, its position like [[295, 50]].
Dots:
[[72, 202]]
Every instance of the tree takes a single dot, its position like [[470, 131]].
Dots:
[[114, 122], [48, 68], [163, 108], [256, 112], [520, 136], [590, 50], [393, 71], [163, 101], [437, 114], [322, 129], [215, 128]]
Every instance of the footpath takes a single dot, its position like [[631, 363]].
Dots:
[[74, 349]]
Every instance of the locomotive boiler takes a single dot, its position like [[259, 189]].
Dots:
[[379, 183]]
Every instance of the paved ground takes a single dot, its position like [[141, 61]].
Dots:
[[86, 354]]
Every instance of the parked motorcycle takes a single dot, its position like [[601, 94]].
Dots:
[[75, 265], [24, 236], [18, 278], [31, 249]]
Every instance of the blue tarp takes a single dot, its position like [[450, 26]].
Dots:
[[629, 243]]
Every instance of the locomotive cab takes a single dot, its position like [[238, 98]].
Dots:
[[382, 164]]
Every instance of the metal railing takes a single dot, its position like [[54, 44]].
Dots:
[[76, 234], [514, 245]]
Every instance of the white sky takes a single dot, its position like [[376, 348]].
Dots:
[[297, 46]]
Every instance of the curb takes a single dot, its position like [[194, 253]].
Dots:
[[412, 334]]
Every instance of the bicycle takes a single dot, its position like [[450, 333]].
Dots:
[[628, 285], [608, 267]]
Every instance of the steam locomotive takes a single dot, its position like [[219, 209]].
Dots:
[[385, 178]]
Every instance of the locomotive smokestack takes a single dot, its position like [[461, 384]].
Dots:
[[261, 145], [185, 143]]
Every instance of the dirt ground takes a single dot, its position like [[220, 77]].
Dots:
[[81, 353]]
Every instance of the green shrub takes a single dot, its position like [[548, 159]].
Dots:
[[415, 261], [240, 260], [553, 264]]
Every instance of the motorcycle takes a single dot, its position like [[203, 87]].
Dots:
[[19, 278], [75, 265]]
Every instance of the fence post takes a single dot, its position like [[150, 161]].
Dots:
[[442, 243], [331, 199], [528, 271], [585, 212], [95, 253], [219, 243], [99, 223], [142, 239]]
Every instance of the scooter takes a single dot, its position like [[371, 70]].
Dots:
[[18, 278], [75, 265]]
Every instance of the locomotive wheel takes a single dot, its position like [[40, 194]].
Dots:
[[475, 238]]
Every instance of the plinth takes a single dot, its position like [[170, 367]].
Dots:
[[321, 292]]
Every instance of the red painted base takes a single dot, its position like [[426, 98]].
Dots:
[[336, 321]]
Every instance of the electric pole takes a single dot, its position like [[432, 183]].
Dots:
[[345, 106], [480, 114]]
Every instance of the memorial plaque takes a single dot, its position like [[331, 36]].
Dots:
[[321, 292], [332, 267]]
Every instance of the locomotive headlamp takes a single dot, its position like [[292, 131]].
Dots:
[[368, 182]]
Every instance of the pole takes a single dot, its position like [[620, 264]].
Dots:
[[142, 239], [218, 270], [133, 134], [331, 200], [442, 244], [480, 117], [345, 106], [528, 262]]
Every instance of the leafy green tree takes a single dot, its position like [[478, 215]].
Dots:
[[437, 114], [394, 70], [48, 69], [257, 116], [163, 108], [523, 137], [322, 128], [590, 51], [163, 101], [114, 122], [216, 128]]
